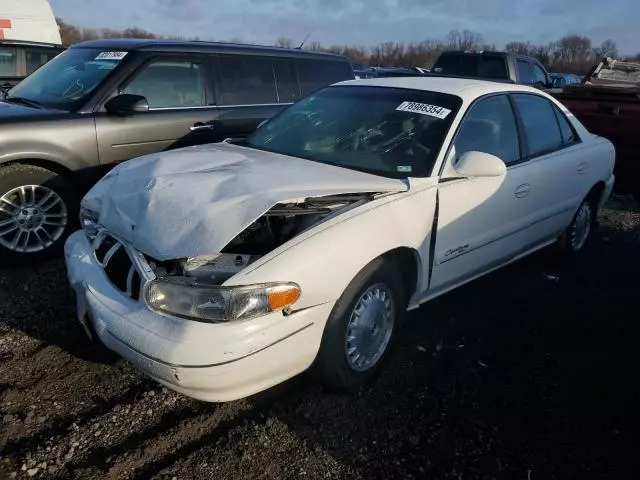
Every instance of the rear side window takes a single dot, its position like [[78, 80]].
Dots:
[[286, 83], [246, 80], [490, 127], [540, 124], [315, 74], [523, 69], [569, 136], [170, 84]]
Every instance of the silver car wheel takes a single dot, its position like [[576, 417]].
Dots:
[[581, 227], [32, 218], [370, 327]]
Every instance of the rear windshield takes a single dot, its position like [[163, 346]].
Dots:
[[391, 132], [471, 65]]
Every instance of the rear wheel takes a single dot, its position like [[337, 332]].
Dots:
[[361, 328], [38, 211], [578, 234]]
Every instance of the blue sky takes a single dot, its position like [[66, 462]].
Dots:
[[365, 22]]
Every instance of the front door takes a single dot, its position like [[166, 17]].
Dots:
[[482, 222], [180, 111]]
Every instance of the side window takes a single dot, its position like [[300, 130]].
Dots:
[[524, 72], [286, 82], [538, 75], [490, 127], [315, 74], [569, 136], [170, 84], [8, 62], [246, 80], [493, 67], [540, 124]]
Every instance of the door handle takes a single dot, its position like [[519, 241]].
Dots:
[[199, 127], [582, 168], [522, 190]]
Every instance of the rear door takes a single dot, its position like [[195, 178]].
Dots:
[[553, 149], [251, 89], [181, 110]]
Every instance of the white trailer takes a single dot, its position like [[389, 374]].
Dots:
[[29, 38]]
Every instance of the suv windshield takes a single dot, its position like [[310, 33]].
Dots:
[[385, 131], [67, 80]]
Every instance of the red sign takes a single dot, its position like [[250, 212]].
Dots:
[[4, 23]]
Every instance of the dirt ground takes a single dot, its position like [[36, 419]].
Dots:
[[528, 373]]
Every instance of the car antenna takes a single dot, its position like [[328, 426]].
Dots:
[[304, 41]]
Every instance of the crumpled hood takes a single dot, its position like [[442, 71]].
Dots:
[[194, 201]]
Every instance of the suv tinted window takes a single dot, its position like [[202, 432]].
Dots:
[[457, 64], [315, 74], [170, 84], [286, 83], [540, 124], [246, 80], [569, 135], [490, 127], [524, 72], [493, 67]]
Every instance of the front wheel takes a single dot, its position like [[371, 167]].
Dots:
[[38, 210], [362, 326]]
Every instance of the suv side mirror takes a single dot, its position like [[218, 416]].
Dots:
[[480, 164], [126, 104]]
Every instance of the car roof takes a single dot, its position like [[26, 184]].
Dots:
[[157, 45], [466, 88]]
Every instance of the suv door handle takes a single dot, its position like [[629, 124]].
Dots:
[[199, 126], [522, 190]]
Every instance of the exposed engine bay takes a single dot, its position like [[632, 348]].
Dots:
[[273, 229]]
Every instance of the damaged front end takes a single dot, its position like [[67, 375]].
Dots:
[[274, 228], [193, 287]]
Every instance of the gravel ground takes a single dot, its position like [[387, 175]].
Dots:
[[525, 374]]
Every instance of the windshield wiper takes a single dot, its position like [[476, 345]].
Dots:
[[24, 101]]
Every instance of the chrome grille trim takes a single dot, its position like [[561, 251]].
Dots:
[[138, 265]]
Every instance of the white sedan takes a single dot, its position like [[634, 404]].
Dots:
[[222, 270]]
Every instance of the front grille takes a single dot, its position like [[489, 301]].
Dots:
[[113, 257]]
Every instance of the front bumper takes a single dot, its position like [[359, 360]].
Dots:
[[212, 362]]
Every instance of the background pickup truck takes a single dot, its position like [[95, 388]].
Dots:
[[607, 102], [508, 67]]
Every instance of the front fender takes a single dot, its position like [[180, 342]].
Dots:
[[325, 259]]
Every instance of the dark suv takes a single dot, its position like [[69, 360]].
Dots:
[[501, 66], [107, 101]]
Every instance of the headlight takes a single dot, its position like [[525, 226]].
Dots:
[[89, 222], [185, 298]]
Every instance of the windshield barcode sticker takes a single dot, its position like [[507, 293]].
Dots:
[[111, 55], [424, 109]]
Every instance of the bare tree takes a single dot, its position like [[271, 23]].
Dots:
[[608, 48], [284, 42], [465, 40]]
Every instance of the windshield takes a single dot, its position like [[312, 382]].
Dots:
[[391, 132], [66, 81]]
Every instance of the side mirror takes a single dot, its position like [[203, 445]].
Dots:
[[126, 104], [480, 164]]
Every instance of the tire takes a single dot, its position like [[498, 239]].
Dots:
[[577, 237], [39, 205], [339, 370]]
